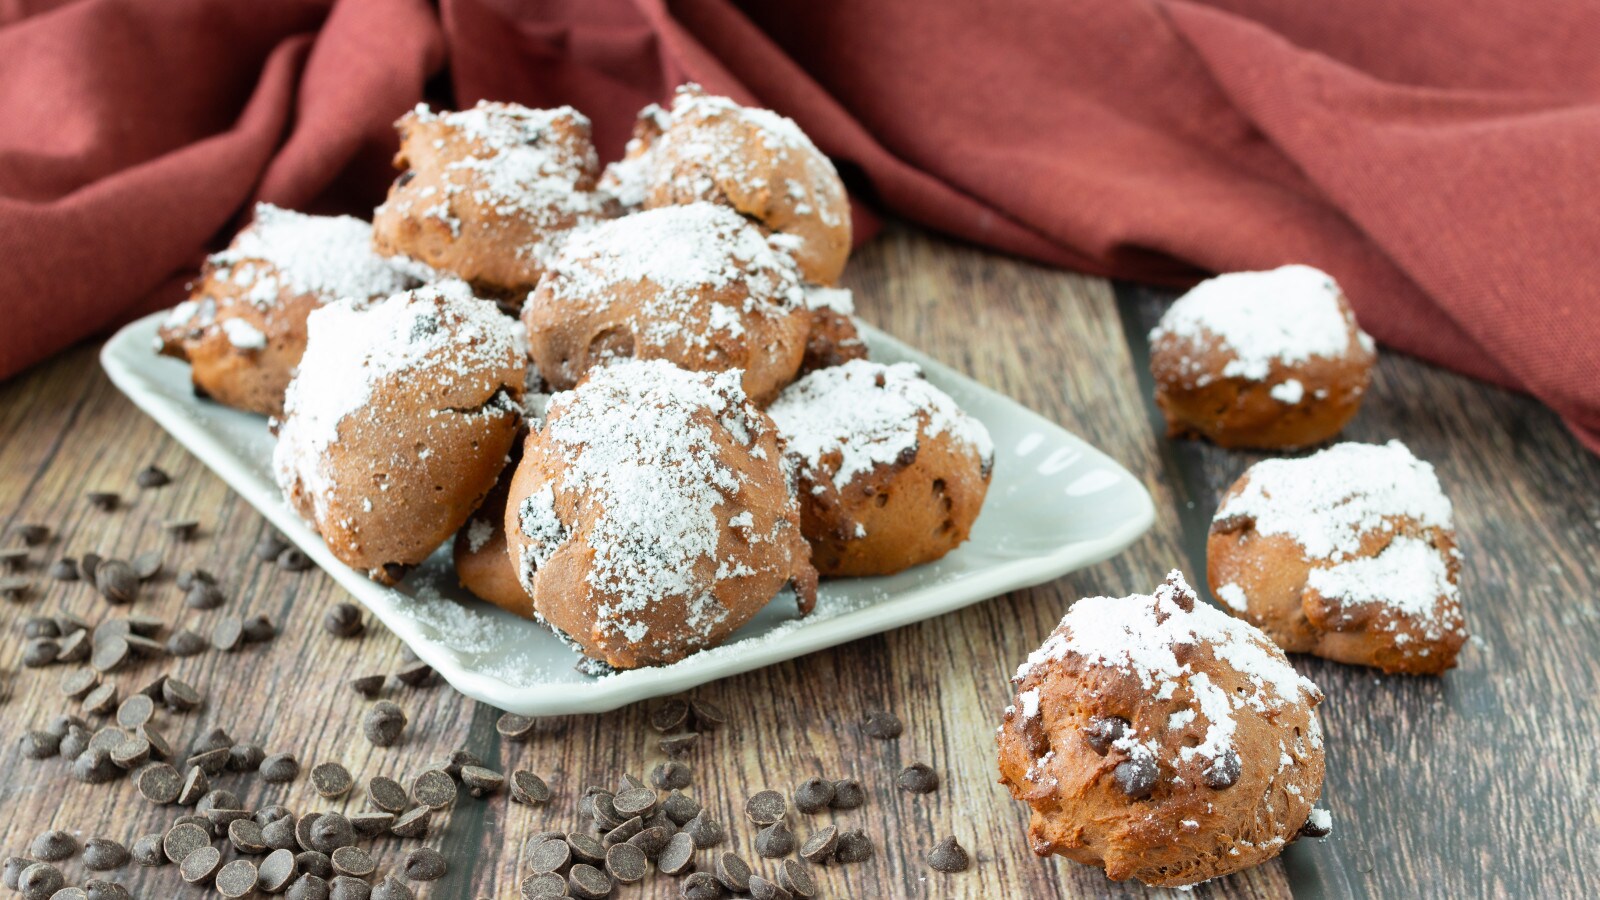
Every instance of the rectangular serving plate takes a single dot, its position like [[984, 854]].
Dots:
[[1056, 504]]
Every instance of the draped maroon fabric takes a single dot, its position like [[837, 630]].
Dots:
[[1437, 157]]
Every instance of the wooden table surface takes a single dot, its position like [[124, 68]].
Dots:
[[1485, 782]]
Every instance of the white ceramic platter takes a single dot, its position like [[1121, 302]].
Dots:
[[1056, 504]]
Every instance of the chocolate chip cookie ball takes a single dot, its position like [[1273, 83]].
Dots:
[[1271, 360], [399, 421], [754, 161], [892, 472], [1348, 554], [651, 516], [695, 285], [1161, 739], [489, 193], [243, 328]]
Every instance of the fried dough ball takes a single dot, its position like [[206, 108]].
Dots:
[[1160, 739], [834, 338], [709, 148], [892, 472], [489, 193], [1348, 554], [243, 328], [482, 560], [650, 515], [695, 285], [398, 422], [1271, 360]]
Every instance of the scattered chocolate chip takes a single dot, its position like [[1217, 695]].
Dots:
[[1103, 731], [424, 864], [101, 701], [766, 807], [12, 870], [276, 871], [413, 823], [680, 807], [367, 685], [848, 794], [529, 788], [331, 780], [775, 841], [75, 648], [678, 855], [390, 889], [181, 529], [30, 534], [41, 652], [1136, 776], [762, 889], [1317, 825], [549, 856], [343, 887], [110, 654], [100, 889], [704, 830], [15, 589], [707, 716], [330, 831], [680, 743], [671, 775], [13, 559], [211, 762], [200, 866], [813, 795], [105, 501], [279, 768], [819, 846], [147, 851], [293, 559], [309, 887], [152, 477], [623, 833], [795, 878], [117, 581], [75, 741], [195, 786], [237, 879], [1224, 770], [146, 565], [882, 725], [53, 846], [353, 861], [40, 881], [64, 569], [371, 824], [453, 763], [515, 728], [41, 627], [343, 620], [227, 634], [384, 723], [416, 674], [269, 546], [40, 745], [87, 566], [585, 848], [543, 886], [314, 862], [482, 781], [182, 840], [135, 711], [159, 783], [185, 643], [386, 794], [853, 846], [247, 758], [132, 753], [949, 856], [246, 836], [917, 778], [203, 595], [434, 789], [651, 840], [215, 739], [279, 834], [180, 696], [635, 802], [670, 716]]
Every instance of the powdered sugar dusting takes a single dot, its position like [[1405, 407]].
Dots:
[[1409, 576], [1328, 500], [870, 414], [840, 300], [330, 257], [1285, 315]]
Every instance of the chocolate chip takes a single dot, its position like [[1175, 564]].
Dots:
[[216, 801], [12, 870], [343, 620], [181, 529], [211, 762], [15, 589], [678, 855], [248, 758], [180, 696], [367, 685], [704, 830], [237, 879], [195, 786], [384, 723], [105, 501], [147, 851], [415, 675], [482, 781], [202, 595], [813, 795], [457, 759], [766, 807], [882, 725], [733, 872], [680, 807], [707, 716], [775, 841], [279, 835], [587, 882], [635, 802], [185, 643], [110, 654], [343, 887], [75, 741], [678, 744], [528, 788], [315, 862], [1224, 770], [434, 789], [146, 565], [279, 768], [371, 824], [626, 863], [87, 566], [309, 887], [354, 861], [424, 864], [293, 559], [543, 886], [200, 866], [671, 775], [101, 701], [40, 745], [652, 840], [669, 716], [269, 546], [1317, 826], [100, 889], [949, 856], [848, 794], [182, 840], [30, 534], [40, 881], [795, 878], [1136, 776], [330, 831], [131, 753], [215, 739], [549, 856], [159, 783], [413, 823], [276, 871], [41, 627], [1103, 731], [515, 728], [152, 477], [853, 846], [117, 581], [246, 836], [53, 846], [623, 833], [64, 569], [75, 648], [585, 848], [918, 778], [331, 780], [79, 682], [386, 794], [700, 886], [135, 711], [41, 652], [227, 634]]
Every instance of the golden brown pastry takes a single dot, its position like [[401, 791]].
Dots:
[[243, 328], [482, 560], [1349, 554], [1271, 360], [834, 338], [489, 193], [1161, 739], [650, 515], [695, 285], [753, 160], [399, 421], [892, 472]]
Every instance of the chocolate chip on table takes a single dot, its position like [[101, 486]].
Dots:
[[131, 753], [87, 565], [424, 864], [529, 788], [100, 889], [146, 565], [733, 872], [211, 762], [482, 781], [105, 501], [413, 823], [368, 685], [101, 701], [11, 870], [40, 881], [182, 529], [622, 833], [634, 802], [116, 581], [588, 882], [1103, 731], [64, 569], [384, 723], [30, 534], [276, 871], [700, 886], [343, 887], [707, 716], [795, 878], [228, 633], [279, 768], [110, 654], [237, 879], [203, 596], [195, 786], [671, 775], [215, 739], [1224, 770], [543, 886], [391, 889], [434, 789], [371, 824], [331, 780], [515, 728], [813, 795], [152, 477], [626, 864], [353, 861], [279, 833], [41, 652], [343, 620], [1317, 825], [269, 546], [330, 831], [763, 889], [766, 807], [147, 851], [651, 840], [882, 725], [160, 783], [549, 856], [853, 846], [40, 745], [200, 866], [917, 778], [248, 758], [293, 559], [704, 830], [135, 711], [670, 716], [246, 837], [819, 846], [949, 856], [180, 696], [680, 807], [53, 846], [182, 840], [848, 794], [314, 862], [41, 626], [775, 841], [680, 743], [386, 794], [1136, 776], [415, 674]]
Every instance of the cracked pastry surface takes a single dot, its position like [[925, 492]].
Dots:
[[1161, 739], [399, 421], [1271, 360], [243, 328], [651, 516], [1349, 554], [892, 473]]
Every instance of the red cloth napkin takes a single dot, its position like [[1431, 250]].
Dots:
[[1436, 157]]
